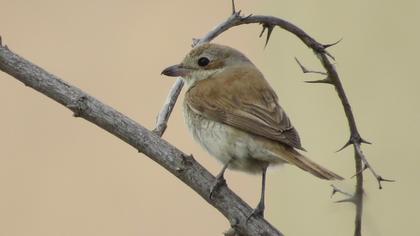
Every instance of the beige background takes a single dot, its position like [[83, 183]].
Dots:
[[64, 176]]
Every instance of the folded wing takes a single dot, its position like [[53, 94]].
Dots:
[[242, 98]]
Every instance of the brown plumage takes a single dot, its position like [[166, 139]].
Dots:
[[233, 112], [233, 98]]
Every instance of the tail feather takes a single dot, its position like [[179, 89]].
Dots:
[[294, 157]]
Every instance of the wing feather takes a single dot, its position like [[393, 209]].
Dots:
[[242, 98]]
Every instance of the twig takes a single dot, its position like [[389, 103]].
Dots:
[[332, 78], [367, 165], [166, 111], [184, 167]]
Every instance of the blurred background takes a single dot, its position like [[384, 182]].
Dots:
[[64, 176]]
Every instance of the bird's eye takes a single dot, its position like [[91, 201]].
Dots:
[[203, 61]]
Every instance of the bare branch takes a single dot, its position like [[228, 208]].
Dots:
[[332, 78], [318, 48], [163, 117], [182, 166], [367, 165], [168, 156]]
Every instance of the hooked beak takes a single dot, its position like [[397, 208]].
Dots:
[[176, 71]]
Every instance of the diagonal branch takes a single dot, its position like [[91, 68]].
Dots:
[[182, 166], [168, 106]]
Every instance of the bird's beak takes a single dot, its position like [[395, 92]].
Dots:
[[176, 71]]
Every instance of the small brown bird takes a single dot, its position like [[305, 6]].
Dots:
[[233, 112]]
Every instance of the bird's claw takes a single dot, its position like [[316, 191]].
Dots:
[[257, 212], [220, 181]]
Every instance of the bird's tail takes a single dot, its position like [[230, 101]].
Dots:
[[294, 157]]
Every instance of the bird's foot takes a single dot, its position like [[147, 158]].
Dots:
[[220, 181], [257, 212]]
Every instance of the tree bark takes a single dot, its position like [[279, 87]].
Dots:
[[183, 166]]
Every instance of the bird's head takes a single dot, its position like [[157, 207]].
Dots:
[[204, 61]]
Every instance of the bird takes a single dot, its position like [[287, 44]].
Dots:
[[232, 111]]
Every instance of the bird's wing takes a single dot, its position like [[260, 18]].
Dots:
[[242, 98]]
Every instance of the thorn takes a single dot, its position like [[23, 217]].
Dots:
[[337, 190], [4, 46], [262, 32], [380, 180], [329, 55], [385, 180], [304, 70], [345, 145], [269, 31], [334, 191], [365, 167], [233, 7], [331, 44], [246, 17], [300, 65], [320, 49], [364, 141]]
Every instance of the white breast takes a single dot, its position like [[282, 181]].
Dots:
[[225, 143]]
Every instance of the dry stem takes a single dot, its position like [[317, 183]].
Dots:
[[269, 22]]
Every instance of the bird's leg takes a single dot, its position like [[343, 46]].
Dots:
[[220, 179], [259, 210]]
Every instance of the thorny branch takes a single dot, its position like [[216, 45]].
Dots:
[[268, 23], [183, 166]]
